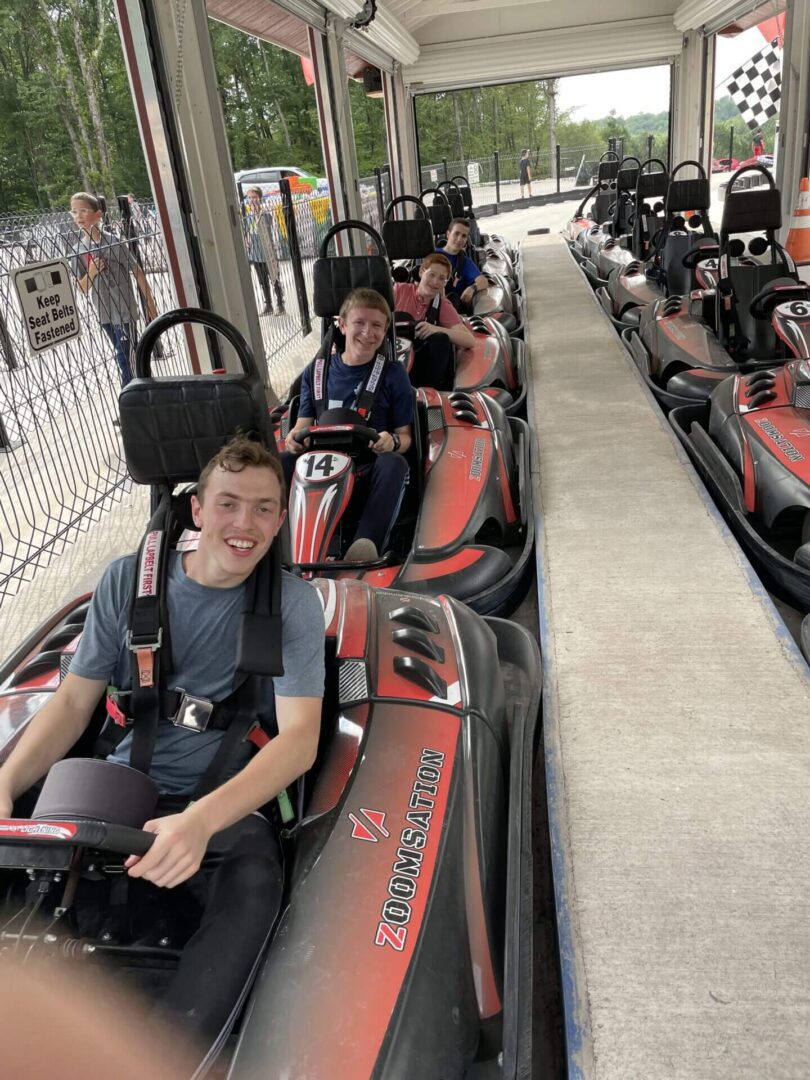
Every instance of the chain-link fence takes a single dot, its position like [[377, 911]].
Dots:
[[61, 464], [375, 195]]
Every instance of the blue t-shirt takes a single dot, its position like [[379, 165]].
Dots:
[[393, 407], [469, 271], [204, 624]]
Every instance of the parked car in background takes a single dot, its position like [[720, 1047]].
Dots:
[[763, 159], [725, 164], [267, 179]]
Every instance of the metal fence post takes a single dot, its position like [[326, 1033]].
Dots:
[[650, 141], [446, 171], [730, 144], [497, 177], [558, 157], [380, 198], [295, 256]]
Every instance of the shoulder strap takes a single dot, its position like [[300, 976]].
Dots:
[[371, 388], [147, 632], [432, 313], [320, 376]]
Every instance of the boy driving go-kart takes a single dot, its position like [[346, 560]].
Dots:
[[209, 836], [438, 327], [378, 391]]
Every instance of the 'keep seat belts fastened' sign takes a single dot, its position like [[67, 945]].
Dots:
[[49, 310]]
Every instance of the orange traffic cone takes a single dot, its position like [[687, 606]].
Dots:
[[798, 240]]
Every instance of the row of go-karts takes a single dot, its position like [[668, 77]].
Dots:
[[404, 947], [718, 324]]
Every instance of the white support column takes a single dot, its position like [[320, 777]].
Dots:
[[693, 100], [167, 49], [793, 160], [335, 119], [399, 123]]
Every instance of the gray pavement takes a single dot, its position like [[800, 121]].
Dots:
[[676, 711]]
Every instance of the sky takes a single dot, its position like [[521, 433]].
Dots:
[[593, 96]]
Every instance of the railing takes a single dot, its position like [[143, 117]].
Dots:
[[495, 178]]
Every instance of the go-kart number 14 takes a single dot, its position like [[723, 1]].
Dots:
[[325, 464], [322, 466]]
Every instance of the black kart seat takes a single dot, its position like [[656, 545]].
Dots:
[[692, 194], [755, 210], [407, 239]]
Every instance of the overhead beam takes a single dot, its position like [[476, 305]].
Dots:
[[427, 9], [543, 54]]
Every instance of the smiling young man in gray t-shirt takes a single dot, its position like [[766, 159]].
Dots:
[[238, 510]]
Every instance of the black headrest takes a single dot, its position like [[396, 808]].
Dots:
[[627, 178], [440, 216], [651, 185], [752, 211], [172, 426], [455, 200], [334, 278], [608, 170], [465, 191], [689, 195], [408, 239]]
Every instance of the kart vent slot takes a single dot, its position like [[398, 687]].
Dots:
[[61, 637], [761, 397], [40, 665], [352, 681], [418, 641], [802, 397], [64, 665], [420, 673], [416, 617], [465, 414]]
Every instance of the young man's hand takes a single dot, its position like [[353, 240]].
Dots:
[[423, 330], [97, 264], [176, 853]]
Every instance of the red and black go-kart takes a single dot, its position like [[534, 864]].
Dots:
[[685, 345], [466, 525], [496, 363], [405, 946], [660, 243], [577, 232], [751, 444]]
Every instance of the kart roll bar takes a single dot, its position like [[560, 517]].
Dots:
[[346, 226], [159, 326], [389, 210]]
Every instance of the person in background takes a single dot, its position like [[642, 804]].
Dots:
[[525, 166], [380, 485], [466, 279], [758, 143], [260, 250], [104, 267], [438, 325]]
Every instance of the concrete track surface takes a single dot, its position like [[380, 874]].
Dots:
[[677, 732]]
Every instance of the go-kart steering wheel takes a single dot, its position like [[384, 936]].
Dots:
[[774, 293], [71, 832], [404, 324], [698, 254], [348, 438]]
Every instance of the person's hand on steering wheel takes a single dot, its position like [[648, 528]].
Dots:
[[292, 444], [385, 444]]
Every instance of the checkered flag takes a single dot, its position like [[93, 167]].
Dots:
[[756, 87]]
